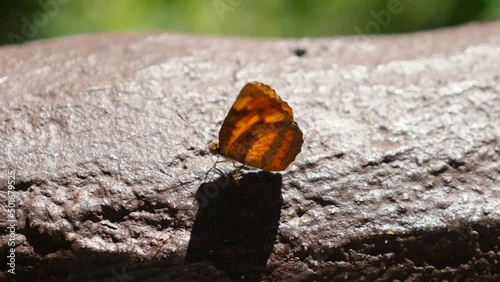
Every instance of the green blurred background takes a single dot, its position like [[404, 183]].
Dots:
[[25, 20]]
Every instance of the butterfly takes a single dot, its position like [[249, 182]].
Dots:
[[259, 130]]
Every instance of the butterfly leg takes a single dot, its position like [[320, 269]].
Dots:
[[212, 168], [237, 172], [208, 172], [215, 169]]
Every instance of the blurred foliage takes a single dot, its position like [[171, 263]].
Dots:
[[23, 20]]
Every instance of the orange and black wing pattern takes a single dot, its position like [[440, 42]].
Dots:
[[259, 130]]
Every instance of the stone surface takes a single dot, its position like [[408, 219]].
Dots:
[[398, 178]]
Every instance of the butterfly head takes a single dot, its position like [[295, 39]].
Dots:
[[214, 148]]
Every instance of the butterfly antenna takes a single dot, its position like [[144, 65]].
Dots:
[[188, 124]]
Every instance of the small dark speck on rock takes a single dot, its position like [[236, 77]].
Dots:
[[300, 52], [202, 152], [455, 163], [402, 209], [339, 155]]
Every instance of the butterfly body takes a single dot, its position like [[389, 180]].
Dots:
[[259, 130]]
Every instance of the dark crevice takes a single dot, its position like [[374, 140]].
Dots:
[[369, 164], [147, 206], [23, 186], [441, 248], [339, 155], [300, 212], [44, 243], [114, 214], [160, 209], [91, 217], [82, 177], [388, 159], [385, 160], [439, 170], [455, 163], [324, 200]]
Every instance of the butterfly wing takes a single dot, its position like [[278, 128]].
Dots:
[[259, 130]]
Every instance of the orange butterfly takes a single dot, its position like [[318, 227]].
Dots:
[[259, 130]]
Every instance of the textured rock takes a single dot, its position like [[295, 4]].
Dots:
[[399, 175]]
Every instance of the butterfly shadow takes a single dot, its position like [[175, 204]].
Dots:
[[236, 223]]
